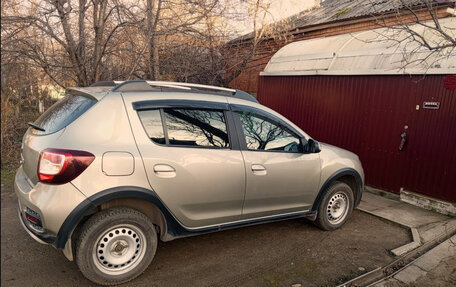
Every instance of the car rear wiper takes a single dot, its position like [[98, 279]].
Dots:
[[36, 127]]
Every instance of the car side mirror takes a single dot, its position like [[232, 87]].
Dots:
[[312, 146]]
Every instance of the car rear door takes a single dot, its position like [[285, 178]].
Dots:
[[191, 159], [281, 178]]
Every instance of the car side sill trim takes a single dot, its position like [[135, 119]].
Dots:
[[250, 221], [311, 215]]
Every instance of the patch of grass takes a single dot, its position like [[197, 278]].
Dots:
[[297, 270], [308, 269], [274, 279], [7, 178], [344, 278]]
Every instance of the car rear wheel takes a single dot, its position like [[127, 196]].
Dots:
[[115, 246], [336, 206]]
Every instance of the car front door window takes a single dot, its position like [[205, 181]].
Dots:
[[263, 134]]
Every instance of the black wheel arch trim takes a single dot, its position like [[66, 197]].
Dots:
[[340, 173], [95, 200]]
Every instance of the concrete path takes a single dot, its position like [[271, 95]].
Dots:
[[416, 273], [425, 226], [399, 212]]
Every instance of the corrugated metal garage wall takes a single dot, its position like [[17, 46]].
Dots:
[[367, 114]]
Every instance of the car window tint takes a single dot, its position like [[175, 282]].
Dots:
[[63, 113], [152, 123], [262, 134], [192, 127]]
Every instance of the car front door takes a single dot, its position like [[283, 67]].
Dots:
[[192, 163], [281, 177]]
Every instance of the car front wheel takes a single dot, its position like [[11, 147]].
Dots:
[[115, 246], [335, 207]]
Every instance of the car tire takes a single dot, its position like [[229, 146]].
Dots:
[[115, 246], [335, 207]]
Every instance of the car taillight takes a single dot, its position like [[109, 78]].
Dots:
[[58, 166]]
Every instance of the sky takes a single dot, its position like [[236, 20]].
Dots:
[[285, 8], [279, 9]]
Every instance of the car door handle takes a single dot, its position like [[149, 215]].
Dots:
[[259, 169], [164, 170]]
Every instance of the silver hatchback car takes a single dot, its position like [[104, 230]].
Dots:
[[110, 169]]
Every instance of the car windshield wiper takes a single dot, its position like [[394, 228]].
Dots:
[[36, 127]]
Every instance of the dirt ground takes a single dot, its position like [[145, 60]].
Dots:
[[275, 254]]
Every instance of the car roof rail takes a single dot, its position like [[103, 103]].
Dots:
[[141, 85], [201, 88], [191, 85]]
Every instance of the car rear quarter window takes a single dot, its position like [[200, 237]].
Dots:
[[152, 123], [63, 113], [192, 127]]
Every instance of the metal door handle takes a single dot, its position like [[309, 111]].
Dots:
[[403, 139], [164, 170], [259, 169]]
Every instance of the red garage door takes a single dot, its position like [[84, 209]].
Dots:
[[367, 115]]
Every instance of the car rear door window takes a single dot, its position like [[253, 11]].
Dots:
[[63, 113], [186, 127], [193, 127], [263, 134]]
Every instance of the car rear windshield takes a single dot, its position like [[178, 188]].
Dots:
[[63, 113]]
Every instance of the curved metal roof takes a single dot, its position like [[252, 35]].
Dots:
[[373, 52]]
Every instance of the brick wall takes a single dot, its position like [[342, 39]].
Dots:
[[248, 79]]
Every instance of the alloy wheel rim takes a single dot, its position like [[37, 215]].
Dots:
[[119, 249]]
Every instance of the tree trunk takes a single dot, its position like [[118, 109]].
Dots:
[[152, 21], [81, 48], [71, 46], [99, 21]]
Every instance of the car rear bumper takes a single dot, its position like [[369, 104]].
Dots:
[[40, 238], [48, 205]]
